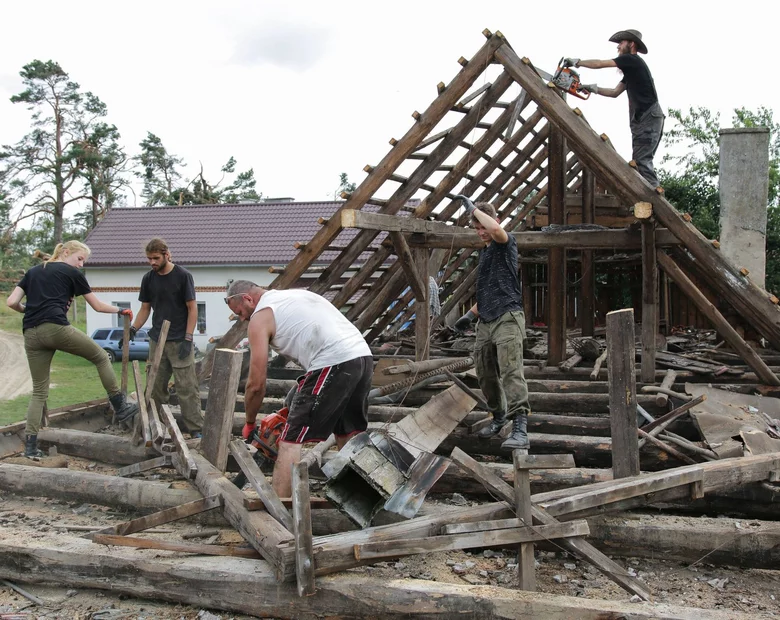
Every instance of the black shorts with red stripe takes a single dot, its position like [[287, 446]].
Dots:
[[333, 399]]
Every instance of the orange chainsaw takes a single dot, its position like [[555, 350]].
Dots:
[[568, 80], [266, 435]]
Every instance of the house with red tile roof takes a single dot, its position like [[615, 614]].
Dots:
[[215, 243]]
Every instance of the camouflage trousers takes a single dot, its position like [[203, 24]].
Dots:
[[498, 358]]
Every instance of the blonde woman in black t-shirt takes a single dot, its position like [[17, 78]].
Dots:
[[49, 290]]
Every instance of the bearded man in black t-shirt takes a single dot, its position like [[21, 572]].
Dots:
[[168, 293], [645, 114]]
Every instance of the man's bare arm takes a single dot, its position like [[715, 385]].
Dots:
[[497, 233], [596, 64], [261, 330], [192, 316]]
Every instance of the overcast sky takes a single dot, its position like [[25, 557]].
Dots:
[[304, 90]]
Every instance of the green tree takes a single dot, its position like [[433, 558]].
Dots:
[[344, 186], [44, 167], [692, 183], [159, 171]]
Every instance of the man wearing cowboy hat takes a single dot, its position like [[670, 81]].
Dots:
[[646, 116]]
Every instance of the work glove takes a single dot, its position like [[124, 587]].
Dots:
[[131, 337], [571, 62], [591, 88], [464, 322], [126, 312], [467, 204], [185, 347], [247, 431]]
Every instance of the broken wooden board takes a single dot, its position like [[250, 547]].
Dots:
[[724, 415]]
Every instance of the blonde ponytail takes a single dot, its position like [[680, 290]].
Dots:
[[71, 246]]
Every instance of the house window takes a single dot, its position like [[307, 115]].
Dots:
[[123, 305], [201, 326]]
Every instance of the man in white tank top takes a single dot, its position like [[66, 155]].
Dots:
[[332, 397]]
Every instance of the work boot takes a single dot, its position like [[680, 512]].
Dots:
[[496, 424], [123, 410], [31, 450], [518, 440]]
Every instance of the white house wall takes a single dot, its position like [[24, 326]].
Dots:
[[121, 284]]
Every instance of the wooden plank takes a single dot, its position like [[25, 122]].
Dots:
[[544, 461], [317, 503], [159, 434], [147, 543], [433, 422], [579, 546], [422, 475], [181, 511], [218, 418], [143, 414], [556, 257], [526, 565], [448, 542], [246, 586], [151, 369], [188, 463], [404, 255], [261, 486], [623, 489], [662, 399], [422, 308], [137, 468], [649, 301], [724, 328], [751, 301], [622, 393], [304, 553], [126, 354]]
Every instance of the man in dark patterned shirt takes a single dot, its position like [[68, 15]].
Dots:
[[498, 350]]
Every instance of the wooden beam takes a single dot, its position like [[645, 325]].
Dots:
[[147, 543], [151, 369], [181, 511], [126, 353], [487, 538], [137, 468], [218, 418], [422, 307], [261, 486], [622, 393], [405, 258], [143, 414], [725, 329], [190, 469], [587, 310], [304, 553], [526, 564], [649, 300], [556, 257]]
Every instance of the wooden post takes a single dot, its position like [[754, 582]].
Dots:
[[525, 554], [662, 399], [556, 263], [126, 354], [622, 393], [218, 421], [304, 551], [422, 309], [587, 309], [143, 414], [649, 296], [151, 370]]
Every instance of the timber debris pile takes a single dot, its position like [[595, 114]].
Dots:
[[651, 365]]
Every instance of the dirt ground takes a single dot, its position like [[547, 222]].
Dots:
[[13, 367], [699, 585]]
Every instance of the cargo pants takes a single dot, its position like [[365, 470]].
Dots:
[[40, 344], [185, 379], [498, 358], [646, 133]]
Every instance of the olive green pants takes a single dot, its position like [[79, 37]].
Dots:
[[498, 358], [185, 380], [40, 344]]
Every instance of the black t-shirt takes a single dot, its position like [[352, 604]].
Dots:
[[498, 283], [50, 289], [168, 296], [639, 83]]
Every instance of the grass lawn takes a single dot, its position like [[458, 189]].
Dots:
[[73, 379]]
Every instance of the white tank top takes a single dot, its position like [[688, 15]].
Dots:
[[311, 330]]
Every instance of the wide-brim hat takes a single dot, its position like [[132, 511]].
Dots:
[[630, 35]]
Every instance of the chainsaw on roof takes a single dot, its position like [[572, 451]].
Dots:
[[568, 80]]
